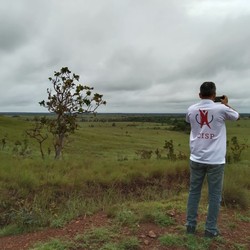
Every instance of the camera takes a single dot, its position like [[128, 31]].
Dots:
[[218, 98]]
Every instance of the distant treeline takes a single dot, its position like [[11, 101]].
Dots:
[[148, 117], [174, 122], [157, 118]]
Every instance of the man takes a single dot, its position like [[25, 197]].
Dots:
[[207, 158]]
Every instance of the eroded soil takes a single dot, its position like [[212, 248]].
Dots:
[[234, 232]]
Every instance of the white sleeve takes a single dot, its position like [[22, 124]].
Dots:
[[231, 114], [187, 117]]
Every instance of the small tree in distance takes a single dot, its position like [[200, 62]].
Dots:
[[66, 100], [37, 134]]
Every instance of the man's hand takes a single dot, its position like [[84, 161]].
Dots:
[[224, 100]]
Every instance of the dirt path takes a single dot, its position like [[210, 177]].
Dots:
[[234, 231], [75, 227]]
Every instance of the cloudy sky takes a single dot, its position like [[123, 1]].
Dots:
[[142, 55]]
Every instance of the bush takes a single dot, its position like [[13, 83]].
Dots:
[[144, 154], [235, 149]]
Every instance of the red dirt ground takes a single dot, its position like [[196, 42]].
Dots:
[[238, 232]]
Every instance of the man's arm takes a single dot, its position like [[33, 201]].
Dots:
[[225, 102]]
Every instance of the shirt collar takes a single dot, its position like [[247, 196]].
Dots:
[[206, 101]]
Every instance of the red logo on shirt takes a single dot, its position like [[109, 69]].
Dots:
[[204, 118]]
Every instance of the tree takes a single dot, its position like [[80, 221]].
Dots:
[[67, 99], [36, 132]]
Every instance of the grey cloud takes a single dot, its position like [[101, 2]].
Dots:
[[11, 36], [20, 22], [127, 69], [142, 55], [223, 48]]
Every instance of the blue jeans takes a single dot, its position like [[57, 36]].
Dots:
[[214, 174]]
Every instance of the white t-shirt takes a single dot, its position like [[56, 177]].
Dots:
[[208, 131]]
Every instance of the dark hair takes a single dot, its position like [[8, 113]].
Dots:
[[207, 89]]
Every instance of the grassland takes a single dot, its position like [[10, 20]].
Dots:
[[103, 168]]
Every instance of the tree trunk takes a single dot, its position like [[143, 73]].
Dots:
[[41, 150], [59, 146]]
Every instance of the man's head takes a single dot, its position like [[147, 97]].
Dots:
[[207, 90]]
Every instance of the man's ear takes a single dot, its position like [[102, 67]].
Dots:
[[200, 95]]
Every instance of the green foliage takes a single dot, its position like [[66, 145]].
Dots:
[[144, 154], [171, 240], [235, 149], [236, 186], [158, 154], [66, 100], [194, 243], [171, 155], [189, 242], [132, 214], [21, 148], [156, 216], [162, 219], [109, 246], [96, 237], [129, 243], [11, 229], [39, 193], [244, 218], [169, 145], [4, 141], [37, 133], [106, 238], [240, 246], [54, 244], [126, 217], [180, 125]]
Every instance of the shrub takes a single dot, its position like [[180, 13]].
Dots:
[[169, 145], [235, 149], [144, 154]]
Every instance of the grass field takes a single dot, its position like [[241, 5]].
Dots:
[[107, 163]]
